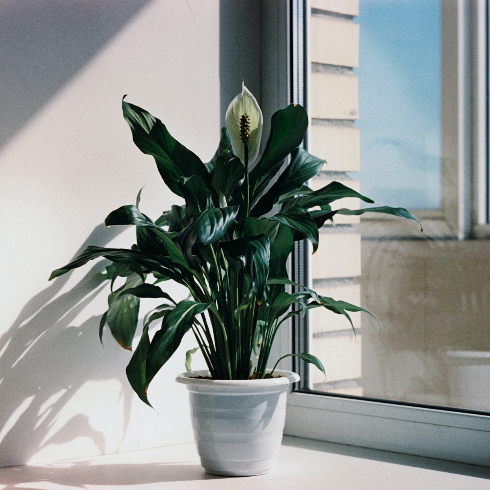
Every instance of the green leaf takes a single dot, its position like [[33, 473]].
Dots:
[[149, 357], [122, 316], [321, 215], [197, 196], [281, 305], [302, 167], [228, 175], [326, 195], [254, 255], [288, 127], [148, 261], [102, 323], [401, 212], [208, 228], [261, 226], [157, 313], [176, 218], [281, 248], [136, 369], [173, 159], [147, 291], [188, 358], [223, 150], [128, 215], [301, 222], [166, 340], [148, 241], [310, 358]]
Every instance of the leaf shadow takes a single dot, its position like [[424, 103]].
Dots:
[[40, 371]]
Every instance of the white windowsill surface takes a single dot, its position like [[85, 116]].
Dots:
[[302, 464]]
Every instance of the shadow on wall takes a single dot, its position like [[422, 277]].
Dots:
[[42, 336], [44, 44]]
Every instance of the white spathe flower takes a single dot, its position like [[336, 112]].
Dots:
[[244, 122]]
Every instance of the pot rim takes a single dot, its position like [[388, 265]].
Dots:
[[284, 378]]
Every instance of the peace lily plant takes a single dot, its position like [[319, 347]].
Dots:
[[228, 245]]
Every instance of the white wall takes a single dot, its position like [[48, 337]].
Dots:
[[66, 161]]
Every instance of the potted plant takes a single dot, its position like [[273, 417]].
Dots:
[[229, 245]]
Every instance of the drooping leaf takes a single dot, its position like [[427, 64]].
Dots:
[[172, 158], [281, 305], [254, 254], [121, 255], [176, 218], [197, 196], [147, 291], [326, 195], [149, 241], [281, 249], [149, 357], [301, 222], [159, 312], [261, 226], [166, 340], [136, 369], [321, 215], [288, 127], [339, 307], [122, 316], [401, 212], [310, 358], [210, 226], [223, 150], [128, 215], [229, 172], [302, 167]]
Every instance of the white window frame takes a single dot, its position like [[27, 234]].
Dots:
[[461, 436]]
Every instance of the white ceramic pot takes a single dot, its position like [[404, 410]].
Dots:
[[238, 424]]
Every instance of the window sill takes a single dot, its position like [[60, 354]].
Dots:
[[301, 463]]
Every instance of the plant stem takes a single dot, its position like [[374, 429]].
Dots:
[[247, 183]]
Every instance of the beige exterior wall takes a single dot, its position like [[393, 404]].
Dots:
[[336, 266]]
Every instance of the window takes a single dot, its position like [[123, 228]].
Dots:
[[420, 385]]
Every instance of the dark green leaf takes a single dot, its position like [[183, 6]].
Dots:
[[136, 369], [326, 195], [147, 291], [301, 222], [172, 158], [209, 227], [196, 194], [401, 212], [281, 248], [121, 255], [224, 148], [288, 127], [229, 173], [102, 323], [176, 218], [128, 215], [302, 167], [122, 316], [166, 340], [254, 254]]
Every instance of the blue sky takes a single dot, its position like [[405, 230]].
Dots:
[[399, 102]]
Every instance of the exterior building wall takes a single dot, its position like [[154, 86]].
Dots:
[[334, 107]]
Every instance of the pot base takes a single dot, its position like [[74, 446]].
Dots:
[[238, 468]]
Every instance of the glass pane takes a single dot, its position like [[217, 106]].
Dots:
[[400, 102], [383, 113]]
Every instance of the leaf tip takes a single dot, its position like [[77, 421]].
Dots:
[[130, 348]]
